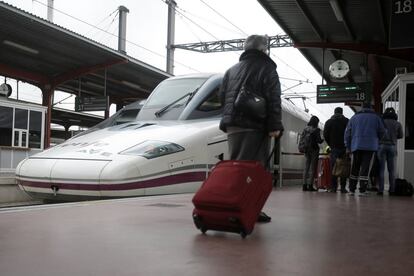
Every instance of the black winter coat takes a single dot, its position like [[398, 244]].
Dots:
[[334, 130], [263, 80]]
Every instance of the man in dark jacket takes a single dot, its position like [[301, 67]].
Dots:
[[249, 137], [333, 133], [362, 135]]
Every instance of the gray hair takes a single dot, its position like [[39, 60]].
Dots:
[[256, 42]]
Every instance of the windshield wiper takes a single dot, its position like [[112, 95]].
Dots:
[[165, 108]]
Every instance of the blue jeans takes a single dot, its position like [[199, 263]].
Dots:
[[337, 153], [386, 153]]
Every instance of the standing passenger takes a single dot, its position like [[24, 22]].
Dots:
[[362, 136], [333, 133], [311, 152], [388, 148], [249, 137]]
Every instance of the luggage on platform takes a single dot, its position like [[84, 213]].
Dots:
[[342, 167], [403, 187], [324, 175], [232, 197]]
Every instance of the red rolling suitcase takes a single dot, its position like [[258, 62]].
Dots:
[[232, 197], [324, 173]]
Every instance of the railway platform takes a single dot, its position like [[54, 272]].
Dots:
[[315, 233]]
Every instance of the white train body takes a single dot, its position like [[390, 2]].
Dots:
[[170, 152]]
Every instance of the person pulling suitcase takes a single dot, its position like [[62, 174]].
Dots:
[[254, 124]]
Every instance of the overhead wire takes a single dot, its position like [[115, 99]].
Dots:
[[198, 25], [189, 28], [100, 22], [222, 16], [211, 22]]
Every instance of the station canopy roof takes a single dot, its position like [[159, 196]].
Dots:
[[356, 31], [39, 52]]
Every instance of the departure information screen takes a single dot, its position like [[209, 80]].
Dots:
[[344, 92]]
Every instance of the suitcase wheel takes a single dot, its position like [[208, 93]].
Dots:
[[198, 223]]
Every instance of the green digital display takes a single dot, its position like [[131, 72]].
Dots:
[[341, 93]]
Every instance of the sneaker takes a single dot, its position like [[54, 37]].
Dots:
[[351, 193], [263, 217], [363, 194], [344, 191], [331, 191]]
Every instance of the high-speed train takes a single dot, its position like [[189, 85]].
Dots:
[[167, 147]]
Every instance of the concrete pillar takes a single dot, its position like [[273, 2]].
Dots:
[[47, 93], [171, 36], [122, 29]]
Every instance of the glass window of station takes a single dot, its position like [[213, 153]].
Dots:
[[20, 127]]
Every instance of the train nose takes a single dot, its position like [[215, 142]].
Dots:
[[52, 178], [121, 178]]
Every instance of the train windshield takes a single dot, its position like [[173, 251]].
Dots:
[[170, 90]]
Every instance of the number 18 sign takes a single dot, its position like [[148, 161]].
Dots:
[[402, 20]]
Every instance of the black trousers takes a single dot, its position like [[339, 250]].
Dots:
[[361, 165], [249, 145]]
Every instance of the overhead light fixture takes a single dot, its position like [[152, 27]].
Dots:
[[132, 85], [337, 10], [21, 47], [93, 84]]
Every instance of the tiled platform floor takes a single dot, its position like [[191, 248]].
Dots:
[[310, 234]]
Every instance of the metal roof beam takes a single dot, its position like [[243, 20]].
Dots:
[[84, 70], [342, 17], [23, 75], [383, 25], [276, 41], [310, 19]]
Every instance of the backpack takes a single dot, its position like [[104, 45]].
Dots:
[[305, 140], [403, 187]]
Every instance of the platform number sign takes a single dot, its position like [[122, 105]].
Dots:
[[403, 6], [343, 93], [402, 20]]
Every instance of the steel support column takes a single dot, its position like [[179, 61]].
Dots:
[[47, 93], [377, 81]]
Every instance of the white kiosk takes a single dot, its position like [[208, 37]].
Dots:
[[22, 128], [22, 131], [399, 94]]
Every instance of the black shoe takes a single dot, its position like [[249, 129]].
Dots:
[[263, 217], [311, 188], [331, 191], [344, 191], [380, 193], [304, 187]]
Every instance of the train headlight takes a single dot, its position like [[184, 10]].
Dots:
[[153, 149]]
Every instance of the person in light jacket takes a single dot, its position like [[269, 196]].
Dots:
[[362, 135]]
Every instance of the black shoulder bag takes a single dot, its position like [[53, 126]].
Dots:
[[250, 103]]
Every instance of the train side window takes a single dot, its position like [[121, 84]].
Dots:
[[211, 106], [211, 103], [126, 116]]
